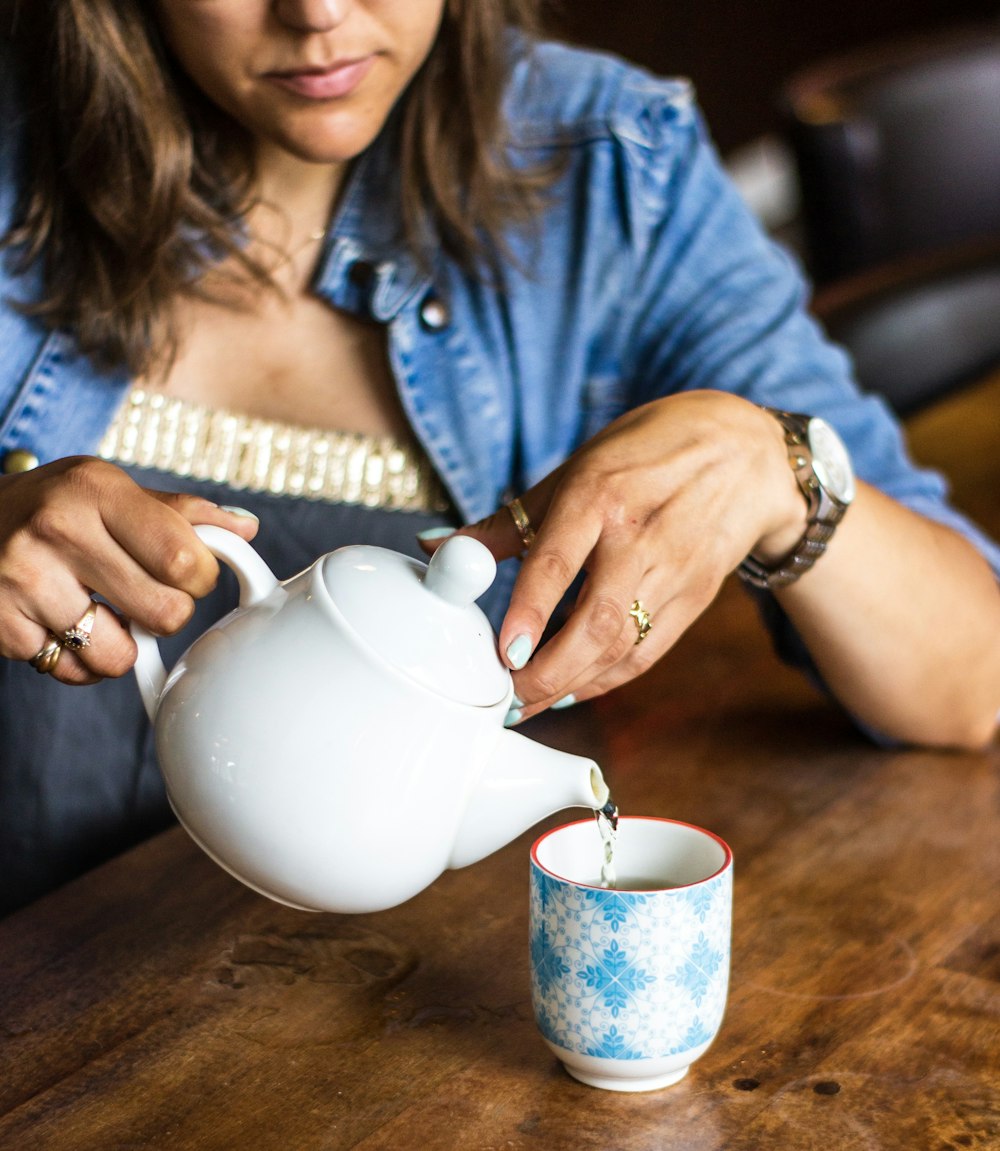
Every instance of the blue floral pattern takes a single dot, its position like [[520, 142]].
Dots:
[[626, 975], [612, 1045], [696, 972], [701, 899]]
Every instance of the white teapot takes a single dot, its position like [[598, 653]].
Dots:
[[337, 740]]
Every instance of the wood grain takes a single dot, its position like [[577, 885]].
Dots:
[[156, 1003]]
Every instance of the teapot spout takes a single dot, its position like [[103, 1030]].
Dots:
[[523, 783]]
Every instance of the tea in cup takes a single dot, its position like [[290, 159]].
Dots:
[[629, 983]]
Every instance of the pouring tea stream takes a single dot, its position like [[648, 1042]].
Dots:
[[303, 737]]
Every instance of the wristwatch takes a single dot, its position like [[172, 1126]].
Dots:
[[823, 469]]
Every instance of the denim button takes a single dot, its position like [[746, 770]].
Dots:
[[361, 274], [19, 460], [434, 315]]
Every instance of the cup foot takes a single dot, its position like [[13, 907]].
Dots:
[[614, 1083], [610, 1074]]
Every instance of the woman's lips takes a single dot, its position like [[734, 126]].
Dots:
[[324, 83]]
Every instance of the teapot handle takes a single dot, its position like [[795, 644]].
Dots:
[[256, 580]]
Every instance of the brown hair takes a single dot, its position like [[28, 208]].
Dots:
[[135, 182]]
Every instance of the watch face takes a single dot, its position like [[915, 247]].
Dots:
[[831, 462]]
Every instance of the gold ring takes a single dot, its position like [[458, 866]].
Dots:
[[522, 523], [643, 621], [77, 637], [44, 662]]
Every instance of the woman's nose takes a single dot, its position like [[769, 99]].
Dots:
[[312, 15]]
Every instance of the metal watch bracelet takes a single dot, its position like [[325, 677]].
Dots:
[[798, 561], [818, 532]]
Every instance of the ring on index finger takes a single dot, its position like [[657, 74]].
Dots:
[[77, 637], [522, 523]]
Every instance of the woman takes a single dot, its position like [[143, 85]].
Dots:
[[517, 269]]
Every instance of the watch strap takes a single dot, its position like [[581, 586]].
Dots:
[[819, 529], [796, 429], [798, 561]]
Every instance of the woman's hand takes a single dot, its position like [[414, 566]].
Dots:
[[80, 526], [901, 617], [658, 508]]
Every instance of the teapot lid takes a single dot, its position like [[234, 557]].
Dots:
[[422, 618]]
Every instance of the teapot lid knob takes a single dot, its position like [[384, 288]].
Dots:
[[460, 571], [421, 618]]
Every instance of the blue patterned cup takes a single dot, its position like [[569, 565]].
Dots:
[[629, 984]]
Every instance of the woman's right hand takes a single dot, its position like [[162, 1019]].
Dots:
[[79, 527]]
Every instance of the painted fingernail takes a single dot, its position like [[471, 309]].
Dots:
[[519, 651], [516, 701], [566, 701], [513, 716], [429, 534], [241, 512]]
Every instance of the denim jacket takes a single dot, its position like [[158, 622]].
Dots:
[[644, 275]]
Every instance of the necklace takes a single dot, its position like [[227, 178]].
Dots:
[[312, 238], [285, 258]]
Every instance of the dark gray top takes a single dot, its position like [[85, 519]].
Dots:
[[78, 775]]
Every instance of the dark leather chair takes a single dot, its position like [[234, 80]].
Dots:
[[897, 149], [922, 326]]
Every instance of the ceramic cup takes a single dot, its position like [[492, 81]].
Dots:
[[629, 984]]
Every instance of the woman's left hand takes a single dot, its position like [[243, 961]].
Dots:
[[657, 509]]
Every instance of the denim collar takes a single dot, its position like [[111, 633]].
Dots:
[[366, 237]]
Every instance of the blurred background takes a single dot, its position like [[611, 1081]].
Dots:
[[865, 135], [740, 55]]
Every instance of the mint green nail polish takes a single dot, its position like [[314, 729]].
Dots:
[[429, 534], [513, 716], [516, 701], [241, 512], [519, 651], [566, 701]]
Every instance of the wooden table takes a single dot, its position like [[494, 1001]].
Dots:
[[156, 1003]]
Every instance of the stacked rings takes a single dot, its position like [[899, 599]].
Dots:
[[44, 662], [76, 638]]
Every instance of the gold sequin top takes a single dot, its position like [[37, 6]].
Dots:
[[153, 430]]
